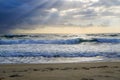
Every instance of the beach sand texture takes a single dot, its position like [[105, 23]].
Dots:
[[71, 71]]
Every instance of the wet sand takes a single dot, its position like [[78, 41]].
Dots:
[[70, 71]]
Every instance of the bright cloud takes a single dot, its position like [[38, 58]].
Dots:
[[53, 10]]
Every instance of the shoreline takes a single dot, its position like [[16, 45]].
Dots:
[[61, 71], [12, 60]]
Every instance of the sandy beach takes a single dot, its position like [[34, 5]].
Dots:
[[70, 71]]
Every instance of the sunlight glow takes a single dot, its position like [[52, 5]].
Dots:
[[70, 30]]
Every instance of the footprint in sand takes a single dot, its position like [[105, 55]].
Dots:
[[102, 67], [87, 79], [15, 75], [115, 67], [85, 68], [36, 70]]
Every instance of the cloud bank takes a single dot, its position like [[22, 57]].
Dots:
[[26, 14]]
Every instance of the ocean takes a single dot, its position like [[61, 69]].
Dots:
[[59, 48]]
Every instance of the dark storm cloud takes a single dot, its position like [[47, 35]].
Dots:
[[15, 13]]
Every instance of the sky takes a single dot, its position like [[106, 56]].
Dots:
[[59, 16]]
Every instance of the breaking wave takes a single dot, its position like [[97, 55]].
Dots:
[[49, 55]]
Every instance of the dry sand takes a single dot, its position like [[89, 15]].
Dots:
[[71, 71]]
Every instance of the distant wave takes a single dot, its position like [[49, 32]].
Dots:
[[60, 41], [13, 36], [28, 41], [10, 36], [105, 35], [107, 40]]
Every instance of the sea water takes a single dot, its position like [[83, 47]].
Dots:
[[59, 48]]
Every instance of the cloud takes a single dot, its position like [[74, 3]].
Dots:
[[107, 3], [53, 10], [26, 14]]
